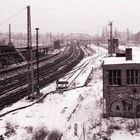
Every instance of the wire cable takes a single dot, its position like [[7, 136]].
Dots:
[[12, 16]]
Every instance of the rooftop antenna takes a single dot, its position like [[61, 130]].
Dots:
[[29, 49], [111, 38]]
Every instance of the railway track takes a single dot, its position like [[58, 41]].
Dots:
[[19, 76], [81, 67], [22, 67], [52, 70]]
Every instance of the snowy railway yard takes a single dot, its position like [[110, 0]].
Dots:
[[75, 113]]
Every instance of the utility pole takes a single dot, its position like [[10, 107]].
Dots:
[[111, 38], [58, 36], [10, 42], [127, 36], [50, 38], [83, 132], [30, 55], [37, 57]]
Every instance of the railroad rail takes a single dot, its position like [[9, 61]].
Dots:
[[15, 87]]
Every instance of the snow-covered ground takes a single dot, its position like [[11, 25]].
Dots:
[[76, 113]]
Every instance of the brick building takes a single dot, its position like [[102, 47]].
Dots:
[[121, 86]]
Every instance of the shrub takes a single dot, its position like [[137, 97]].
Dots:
[[105, 138], [29, 129], [40, 133], [110, 130], [130, 127], [116, 127], [10, 129], [54, 135]]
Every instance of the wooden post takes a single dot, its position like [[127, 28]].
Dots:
[[75, 129], [83, 132]]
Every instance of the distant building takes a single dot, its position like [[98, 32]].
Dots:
[[42, 49], [121, 86], [56, 44], [9, 55]]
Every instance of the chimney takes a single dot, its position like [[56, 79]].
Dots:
[[128, 53]]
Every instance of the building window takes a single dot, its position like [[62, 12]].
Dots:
[[114, 77], [133, 77]]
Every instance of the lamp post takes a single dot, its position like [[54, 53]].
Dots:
[[37, 58]]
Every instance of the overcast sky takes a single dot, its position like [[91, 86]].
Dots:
[[71, 16]]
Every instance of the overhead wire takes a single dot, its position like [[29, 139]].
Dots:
[[3, 22]]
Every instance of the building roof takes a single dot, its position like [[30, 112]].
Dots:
[[120, 60], [34, 47]]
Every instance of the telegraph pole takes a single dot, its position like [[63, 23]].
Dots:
[[37, 57], [111, 38], [30, 55]]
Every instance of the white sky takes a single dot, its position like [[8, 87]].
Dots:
[[71, 16]]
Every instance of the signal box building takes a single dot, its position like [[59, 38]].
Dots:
[[121, 86]]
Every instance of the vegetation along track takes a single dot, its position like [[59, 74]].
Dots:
[[49, 73]]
